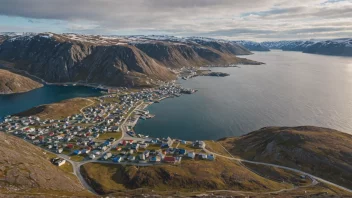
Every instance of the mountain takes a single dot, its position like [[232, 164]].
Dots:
[[14, 83], [252, 46], [114, 60], [337, 47], [26, 171], [323, 152]]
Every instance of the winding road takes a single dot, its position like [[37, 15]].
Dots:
[[279, 166]]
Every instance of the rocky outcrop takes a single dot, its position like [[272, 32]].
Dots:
[[13, 83], [113, 61]]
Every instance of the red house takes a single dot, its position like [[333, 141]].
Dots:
[[169, 159]]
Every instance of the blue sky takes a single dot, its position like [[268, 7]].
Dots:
[[256, 20]]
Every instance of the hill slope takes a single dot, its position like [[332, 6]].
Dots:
[[323, 152], [114, 61], [14, 83], [336, 47], [197, 176], [25, 170], [252, 46]]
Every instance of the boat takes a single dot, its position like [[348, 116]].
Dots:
[[143, 117]]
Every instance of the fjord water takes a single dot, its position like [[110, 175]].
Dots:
[[291, 89], [15, 103]]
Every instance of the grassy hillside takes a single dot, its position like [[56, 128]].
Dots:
[[190, 176], [58, 110], [322, 152], [14, 83], [26, 170]]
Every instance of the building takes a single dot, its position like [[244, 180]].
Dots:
[[92, 156], [191, 155], [107, 156]]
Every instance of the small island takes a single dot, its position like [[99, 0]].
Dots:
[[211, 73]]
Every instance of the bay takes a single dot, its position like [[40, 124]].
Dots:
[[15, 103], [291, 89]]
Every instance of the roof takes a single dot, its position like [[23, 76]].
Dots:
[[169, 159]]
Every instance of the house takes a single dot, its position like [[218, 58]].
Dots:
[[143, 146], [70, 146], [155, 159], [131, 158], [58, 161], [142, 157], [135, 146], [76, 152], [85, 151], [191, 155], [107, 156], [166, 143], [96, 152], [182, 152], [169, 159], [198, 144], [92, 156], [59, 150], [118, 148], [203, 156], [146, 153], [211, 157], [117, 159]]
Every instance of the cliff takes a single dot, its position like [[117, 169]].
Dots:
[[14, 83]]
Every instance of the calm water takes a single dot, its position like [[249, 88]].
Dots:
[[292, 89], [15, 103]]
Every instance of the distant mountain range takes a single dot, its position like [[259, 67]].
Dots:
[[336, 47], [133, 61]]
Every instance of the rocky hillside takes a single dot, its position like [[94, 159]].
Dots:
[[114, 60], [322, 152], [26, 170], [252, 46], [337, 47], [14, 83]]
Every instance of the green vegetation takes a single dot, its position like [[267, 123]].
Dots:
[[107, 135], [77, 158], [67, 167]]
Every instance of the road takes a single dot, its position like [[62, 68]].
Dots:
[[279, 166], [81, 110], [77, 165]]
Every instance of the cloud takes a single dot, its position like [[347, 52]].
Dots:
[[215, 18]]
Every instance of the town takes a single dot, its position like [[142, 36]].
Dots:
[[103, 131]]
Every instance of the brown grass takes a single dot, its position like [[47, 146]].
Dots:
[[58, 110]]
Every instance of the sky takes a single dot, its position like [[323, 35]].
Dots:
[[256, 20]]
